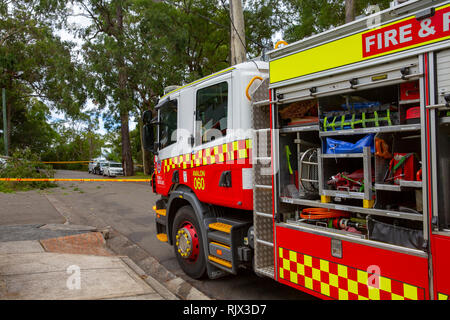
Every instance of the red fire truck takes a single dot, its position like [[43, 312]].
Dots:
[[326, 168]]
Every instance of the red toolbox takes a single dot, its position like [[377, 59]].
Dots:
[[409, 91], [406, 171]]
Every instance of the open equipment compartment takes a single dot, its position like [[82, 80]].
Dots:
[[363, 155], [398, 97]]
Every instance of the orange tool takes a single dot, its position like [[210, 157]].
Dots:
[[382, 149], [322, 213]]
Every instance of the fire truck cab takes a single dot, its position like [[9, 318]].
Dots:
[[326, 169], [203, 170]]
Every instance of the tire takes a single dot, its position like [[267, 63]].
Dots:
[[194, 265]]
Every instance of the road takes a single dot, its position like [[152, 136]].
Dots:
[[126, 207]]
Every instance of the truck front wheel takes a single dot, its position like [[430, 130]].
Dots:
[[187, 243]]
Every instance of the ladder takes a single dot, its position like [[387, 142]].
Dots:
[[263, 222]]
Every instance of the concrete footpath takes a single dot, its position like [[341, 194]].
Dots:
[[60, 262]]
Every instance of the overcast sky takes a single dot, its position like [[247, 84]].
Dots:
[[66, 35]]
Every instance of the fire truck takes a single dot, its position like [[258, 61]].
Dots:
[[326, 168]]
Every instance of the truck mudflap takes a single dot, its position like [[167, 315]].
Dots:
[[332, 268], [161, 220]]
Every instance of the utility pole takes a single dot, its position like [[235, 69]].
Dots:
[[5, 122], [238, 53], [349, 11]]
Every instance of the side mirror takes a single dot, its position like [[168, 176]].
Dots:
[[148, 137], [147, 117]]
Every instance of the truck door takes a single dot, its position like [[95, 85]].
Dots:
[[438, 127], [175, 128], [212, 153]]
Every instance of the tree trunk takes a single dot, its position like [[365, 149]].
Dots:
[[238, 53], [349, 10], [127, 159], [91, 146]]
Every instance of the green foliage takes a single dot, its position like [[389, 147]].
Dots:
[[312, 17], [30, 127], [38, 72], [74, 143], [25, 164], [34, 61]]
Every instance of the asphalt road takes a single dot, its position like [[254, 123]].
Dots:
[[126, 207]]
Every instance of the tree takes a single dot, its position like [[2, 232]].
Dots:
[[34, 63], [31, 129], [173, 44], [105, 55], [312, 17], [73, 142]]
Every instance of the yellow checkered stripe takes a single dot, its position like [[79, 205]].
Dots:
[[237, 150], [341, 282], [442, 296]]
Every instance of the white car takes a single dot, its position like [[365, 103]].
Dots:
[[113, 169], [99, 168], [91, 166]]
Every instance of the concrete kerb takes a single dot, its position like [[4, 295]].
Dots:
[[178, 286], [152, 282], [121, 245]]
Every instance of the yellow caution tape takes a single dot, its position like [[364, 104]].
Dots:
[[65, 161], [82, 162], [71, 180]]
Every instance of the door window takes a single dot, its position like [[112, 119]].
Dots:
[[211, 112], [168, 123]]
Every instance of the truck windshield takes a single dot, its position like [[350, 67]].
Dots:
[[115, 165], [168, 123]]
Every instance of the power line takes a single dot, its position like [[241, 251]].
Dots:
[[222, 26], [197, 14], [234, 27], [215, 22]]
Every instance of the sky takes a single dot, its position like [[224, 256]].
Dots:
[[81, 21], [66, 35]]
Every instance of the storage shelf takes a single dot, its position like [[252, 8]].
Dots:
[[342, 155], [331, 233], [314, 127], [397, 128], [388, 187], [337, 231], [343, 194], [374, 212], [399, 187], [410, 184]]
